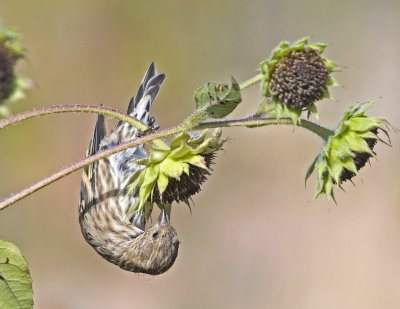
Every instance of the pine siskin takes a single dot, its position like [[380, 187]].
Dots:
[[108, 226]]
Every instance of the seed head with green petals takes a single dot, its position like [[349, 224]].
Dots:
[[295, 77], [12, 85], [348, 149], [175, 172]]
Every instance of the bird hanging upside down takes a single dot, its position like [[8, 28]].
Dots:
[[115, 233]]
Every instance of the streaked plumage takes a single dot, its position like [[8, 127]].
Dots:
[[103, 212]]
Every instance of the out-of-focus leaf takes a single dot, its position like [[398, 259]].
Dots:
[[15, 280]]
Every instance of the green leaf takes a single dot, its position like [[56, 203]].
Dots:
[[181, 151], [362, 124], [157, 155], [197, 161], [15, 280], [279, 110], [151, 174], [313, 110], [330, 65], [331, 82], [310, 170], [300, 43], [218, 99], [320, 47], [181, 138], [162, 183], [172, 168]]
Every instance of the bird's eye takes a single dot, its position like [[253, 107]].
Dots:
[[155, 235]]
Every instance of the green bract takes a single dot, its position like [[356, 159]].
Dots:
[[294, 78], [176, 171], [12, 85], [348, 149]]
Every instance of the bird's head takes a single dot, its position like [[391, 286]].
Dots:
[[154, 251]]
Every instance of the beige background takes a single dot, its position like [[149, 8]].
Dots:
[[256, 239]]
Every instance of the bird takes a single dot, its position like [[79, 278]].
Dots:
[[113, 231]]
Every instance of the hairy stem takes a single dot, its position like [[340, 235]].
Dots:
[[252, 81], [246, 122], [76, 166], [73, 108], [321, 131], [252, 122]]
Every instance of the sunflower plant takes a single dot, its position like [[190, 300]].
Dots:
[[12, 85], [175, 162]]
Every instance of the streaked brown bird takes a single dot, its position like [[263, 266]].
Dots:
[[107, 225]]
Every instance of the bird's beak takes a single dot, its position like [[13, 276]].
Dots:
[[163, 218]]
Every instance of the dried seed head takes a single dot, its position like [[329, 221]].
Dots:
[[360, 158], [175, 170], [295, 77], [187, 185], [348, 148], [299, 79], [6, 74]]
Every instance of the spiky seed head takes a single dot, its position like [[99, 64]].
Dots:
[[348, 149], [294, 77], [12, 86], [175, 171], [180, 190], [299, 79], [360, 158], [6, 73]]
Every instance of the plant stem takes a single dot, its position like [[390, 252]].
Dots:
[[73, 108], [76, 166], [321, 131], [246, 122], [252, 81], [251, 122]]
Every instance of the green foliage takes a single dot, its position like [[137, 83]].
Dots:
[[169, 162], [217, 99], [15, 280]]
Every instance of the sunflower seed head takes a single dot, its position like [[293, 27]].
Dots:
[[299, 79], [348, 149], [6, 74]]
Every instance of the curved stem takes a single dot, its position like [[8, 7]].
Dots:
[[73, 108], [76, 166], [251, 122], [246, 122], [321, 131]]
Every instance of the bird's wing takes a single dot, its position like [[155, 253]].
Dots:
[[88, 184], [120, 166], [139, 107]]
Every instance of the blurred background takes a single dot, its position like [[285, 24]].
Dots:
[[256, 238]]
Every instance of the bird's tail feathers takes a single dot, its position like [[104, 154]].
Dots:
[[139, 105]]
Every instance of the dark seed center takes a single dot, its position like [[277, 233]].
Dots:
[[360, 158], [299, 79], [6, 73], [188, 185]]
